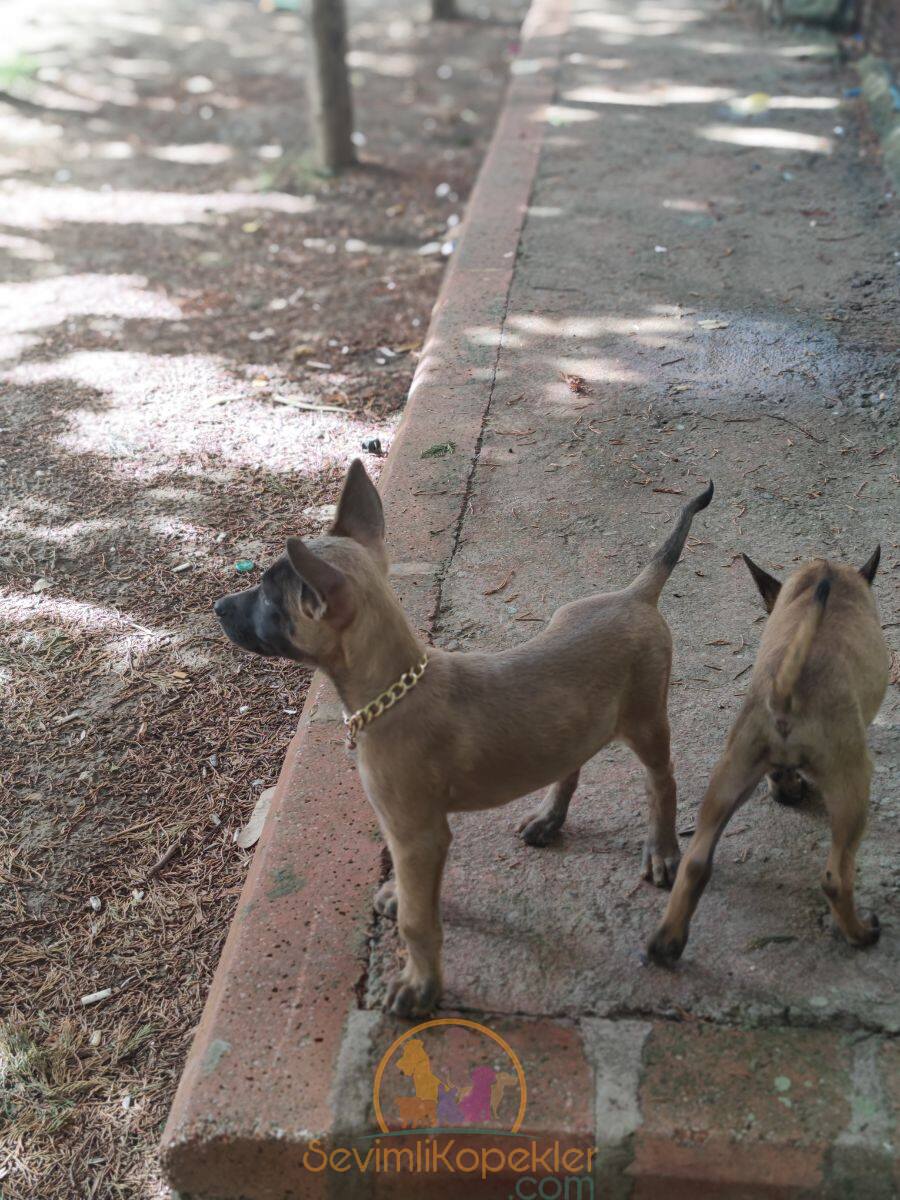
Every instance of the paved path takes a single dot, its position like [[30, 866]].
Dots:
[[697, 289], [754, 350]]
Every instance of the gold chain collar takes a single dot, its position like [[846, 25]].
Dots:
[[357, 721]]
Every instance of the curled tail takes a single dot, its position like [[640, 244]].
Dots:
[[798, 651], [652, 579]]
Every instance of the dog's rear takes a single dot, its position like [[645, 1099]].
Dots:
[[820, 676], [822, 654]]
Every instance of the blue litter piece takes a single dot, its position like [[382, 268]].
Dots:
[[850, 93]]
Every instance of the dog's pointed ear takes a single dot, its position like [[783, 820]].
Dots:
[[768, 585], [325, 594], [868, 569], [359, 512]]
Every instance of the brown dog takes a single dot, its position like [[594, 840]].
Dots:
[[820, 676], [458, 732]]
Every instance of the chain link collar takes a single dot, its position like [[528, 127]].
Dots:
[[357, 721]]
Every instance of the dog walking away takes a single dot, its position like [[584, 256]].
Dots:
[[440, 732], [819, 679]]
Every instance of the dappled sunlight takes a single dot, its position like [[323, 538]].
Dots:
[[21, 608], [46, 302], [565, 114], [149, 409], [61, 534], [767, 138], [597, 369], [395, 66], [16, 130], [588, 327], [115, 151], [137, 68], [686, 206], [29, 249], [198, 152], [604, 64], [656, 95], [712, 47], [804, 103], [620, 29], [31, 206]]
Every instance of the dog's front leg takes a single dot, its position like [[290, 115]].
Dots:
[[419, 859], [733, 780]]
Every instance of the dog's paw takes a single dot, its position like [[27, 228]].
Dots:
[[664, 949], [385, 901], [659, 867], [406, 998], [538, 829], [868, 933]]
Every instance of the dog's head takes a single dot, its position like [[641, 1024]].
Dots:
[[809, 575], [309, 598]]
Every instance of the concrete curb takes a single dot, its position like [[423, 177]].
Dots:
[[257, 1085], [880, 92]]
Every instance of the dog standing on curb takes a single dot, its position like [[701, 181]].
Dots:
[[466, 731], [819, 679]]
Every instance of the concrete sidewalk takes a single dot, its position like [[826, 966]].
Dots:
[[674, 267]]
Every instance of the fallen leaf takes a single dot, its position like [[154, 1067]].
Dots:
[[576, 384], [711, 323], [249, 835]]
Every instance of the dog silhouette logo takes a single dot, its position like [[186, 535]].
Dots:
[[449, 1073]]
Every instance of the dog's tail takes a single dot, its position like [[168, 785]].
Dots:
[[652, 579], [797, 652]]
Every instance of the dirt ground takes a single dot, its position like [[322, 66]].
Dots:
[[197, 334]]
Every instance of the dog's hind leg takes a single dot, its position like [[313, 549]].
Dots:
[[539, 827], [847, 801], [651, 743], [733, 780]]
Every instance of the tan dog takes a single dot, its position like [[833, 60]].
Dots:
[[820, 676], [467, 731]]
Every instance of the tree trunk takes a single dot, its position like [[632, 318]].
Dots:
[[444, 10], [332, 103]]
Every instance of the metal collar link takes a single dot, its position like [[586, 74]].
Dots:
[[365, 716]]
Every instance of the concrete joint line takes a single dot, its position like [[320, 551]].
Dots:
[[615, 1050], [551, 25]]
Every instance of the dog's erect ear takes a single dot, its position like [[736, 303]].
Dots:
[[325, 594], [359, 512], [768, 585], [868, 571]]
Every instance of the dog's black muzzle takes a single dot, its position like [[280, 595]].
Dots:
[[237, 615]]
